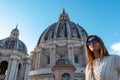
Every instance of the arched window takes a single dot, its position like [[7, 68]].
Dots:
[[3, 67], [65, 76]]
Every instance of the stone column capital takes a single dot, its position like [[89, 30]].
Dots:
[[29, 61], [70, 46], [14, 57]]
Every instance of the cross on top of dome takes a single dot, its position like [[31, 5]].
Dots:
[[64, 16]]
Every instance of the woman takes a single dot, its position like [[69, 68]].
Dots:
[[101, 65]]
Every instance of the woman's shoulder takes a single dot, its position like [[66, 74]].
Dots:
[[116, 61], [112, 56], [115, 56]]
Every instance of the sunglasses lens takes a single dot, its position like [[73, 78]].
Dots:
[[88, 43], [93, 41]]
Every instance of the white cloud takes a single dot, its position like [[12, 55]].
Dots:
[[115, 48]]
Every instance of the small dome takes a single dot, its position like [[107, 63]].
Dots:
[[64, 28], [13, 43], [63, 60]]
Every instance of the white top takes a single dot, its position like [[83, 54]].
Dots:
[[106, 69]]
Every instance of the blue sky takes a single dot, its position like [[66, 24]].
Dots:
[[100, 17]]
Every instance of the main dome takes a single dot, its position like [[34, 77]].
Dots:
[[13, 42], [64, 28]]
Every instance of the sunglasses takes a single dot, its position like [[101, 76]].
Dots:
[[94, 40]]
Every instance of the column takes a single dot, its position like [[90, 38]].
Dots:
[[85, 56], [70, 53], [52, 56], [38, 59], [27, 70], [12, 68]]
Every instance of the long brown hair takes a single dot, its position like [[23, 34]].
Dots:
[[103, 50]]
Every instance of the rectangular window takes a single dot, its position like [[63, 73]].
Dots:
[[75, 58], [48, 59]]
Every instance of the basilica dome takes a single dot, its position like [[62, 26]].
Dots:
[[13, 42], [64, 28], [61, 47]]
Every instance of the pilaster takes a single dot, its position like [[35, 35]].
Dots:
[[52, 55], [70, 53], [27, 70], [12, 68]]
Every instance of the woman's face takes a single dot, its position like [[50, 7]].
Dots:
[[93, 44]]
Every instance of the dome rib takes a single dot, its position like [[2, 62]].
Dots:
[[62, 30], [41, 37], [68, 29], [80, 34], [56, 29]]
